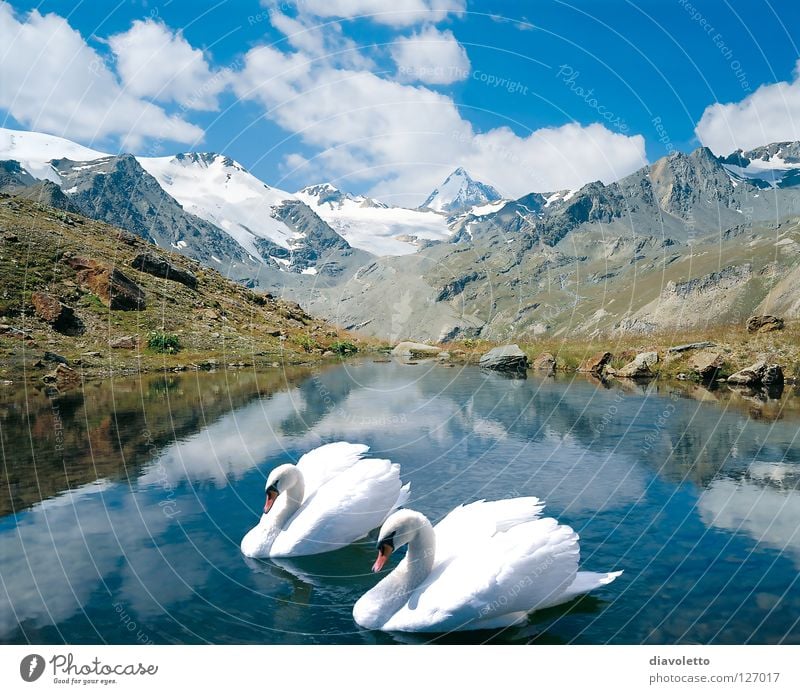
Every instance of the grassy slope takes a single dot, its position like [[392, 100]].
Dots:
[[219, 320]]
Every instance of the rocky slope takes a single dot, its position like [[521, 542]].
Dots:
[[80, 291], [682, 244]]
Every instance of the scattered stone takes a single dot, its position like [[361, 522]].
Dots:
[[691, 345], [682, 377], [62, 376], [112, 287], [764, 324], [640, 366], [61, 317], [415, 349], [91, 354], [596, 363], [544, 362], [55, 358], [158, 267], [443, 356], [328, 353], [6, 383], [609, 371], [381, 361], [750, 376], [125, 342], [773, 376], [706, 364], [506, 358]]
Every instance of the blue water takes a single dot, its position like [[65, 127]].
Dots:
[[123, 504]]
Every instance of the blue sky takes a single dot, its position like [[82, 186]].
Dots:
[[535, 95]]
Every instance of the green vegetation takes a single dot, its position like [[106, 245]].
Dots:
[[343, 347], [306, 342], [163, 343]]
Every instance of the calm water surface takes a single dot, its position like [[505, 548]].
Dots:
[[122, 505]]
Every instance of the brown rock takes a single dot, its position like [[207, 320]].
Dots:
[[125, 342], [60, 316], [596, 363], [158, 267], [544, 362], [764, 324], [706, 363], [62, 376], [112, 287]]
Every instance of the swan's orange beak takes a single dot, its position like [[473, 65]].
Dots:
[[384, 552], [272, 494]]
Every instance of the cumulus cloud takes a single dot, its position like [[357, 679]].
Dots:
[[408, 137], [430, 56], [770, 114], [153, 61], [397, 13], [53, 81]]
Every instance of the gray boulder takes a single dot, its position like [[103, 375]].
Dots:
[[640, 366], [505, 358], [415, 349]]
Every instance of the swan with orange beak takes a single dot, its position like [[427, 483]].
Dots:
[[330, 499]]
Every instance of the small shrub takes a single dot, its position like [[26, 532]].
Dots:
[[469, 343], [306, 342], [163, 343], [343, 347]]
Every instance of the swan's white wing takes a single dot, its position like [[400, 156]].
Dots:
[[322, 464], [515, 571], [343, 509], [468, 527]]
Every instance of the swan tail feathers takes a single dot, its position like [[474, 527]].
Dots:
[[587, 581], [403, 498]]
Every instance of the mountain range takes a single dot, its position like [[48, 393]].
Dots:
[[690, 240]]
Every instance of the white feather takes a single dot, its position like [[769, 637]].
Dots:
[[494, 563], [346, 496]]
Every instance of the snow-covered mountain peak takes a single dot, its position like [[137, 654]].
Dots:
[[458, 193], [35, 151]]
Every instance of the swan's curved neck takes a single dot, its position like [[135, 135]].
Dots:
[[420, 555], [294, 500], [394, 591]]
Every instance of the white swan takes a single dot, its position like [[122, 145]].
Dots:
[[331, 498], [484, 566]]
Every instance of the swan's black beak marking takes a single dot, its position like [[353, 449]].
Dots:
[[272, 494], [388, 540], [385, 549]]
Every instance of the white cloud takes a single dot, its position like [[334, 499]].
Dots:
[[430, 56], [54, 82], [770, 114], [320, 40], [396, 13], [153, 61], [407, 138]]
